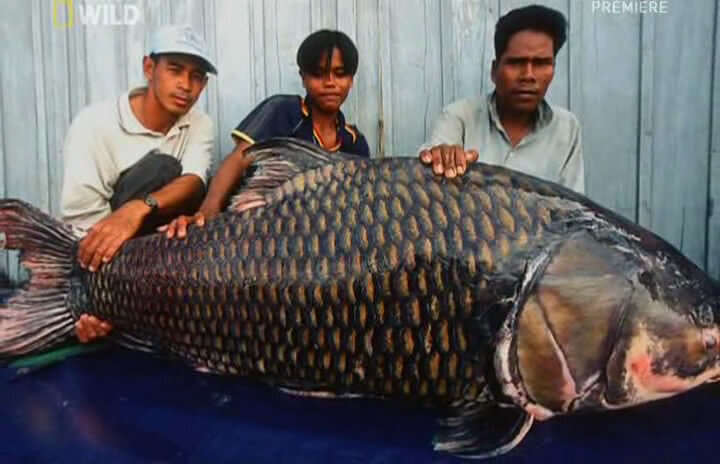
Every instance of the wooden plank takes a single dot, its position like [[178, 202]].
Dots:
[[21, 143], [18, 88], [385, 78], [136, 41], [78, 72], [713, 227], [415, 74], [104, 58], [323, 14], [467, 48], [346, 21], [597, 47], [649, 135], [57, 101], [286, 25], [156, 13], [40, 154], [682, 94], [347, 13], [559, 91], [235, 78], [257, 37], [365, 98], [645, 133], [188, 12], [576, 54], [212, 92]]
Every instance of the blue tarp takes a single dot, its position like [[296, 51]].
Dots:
[[120, 406]]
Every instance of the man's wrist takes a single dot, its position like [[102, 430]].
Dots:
[[208, 211], [139, 207], [209, 208], [151, 202]]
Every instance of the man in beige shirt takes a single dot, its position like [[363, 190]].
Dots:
[[136, 161], [514, 126]]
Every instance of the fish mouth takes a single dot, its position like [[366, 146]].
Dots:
[[661, 354]]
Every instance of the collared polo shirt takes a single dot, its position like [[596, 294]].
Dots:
[[106, 138], [551, 151], [291, 116]]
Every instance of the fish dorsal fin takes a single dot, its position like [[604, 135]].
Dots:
[[276, 162]]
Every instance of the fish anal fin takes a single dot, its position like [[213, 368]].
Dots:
[[483, 432], [132, 342], [318, 391]]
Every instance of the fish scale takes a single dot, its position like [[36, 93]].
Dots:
[[346, 325]]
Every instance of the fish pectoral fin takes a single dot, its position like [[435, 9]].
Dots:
[[482, 432], [276, 162]]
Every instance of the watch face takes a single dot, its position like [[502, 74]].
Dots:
[[151, 201]]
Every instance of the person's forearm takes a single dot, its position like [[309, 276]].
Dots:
[[226, 179], [175, 196]]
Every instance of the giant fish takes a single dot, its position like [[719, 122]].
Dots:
[[496, 298]]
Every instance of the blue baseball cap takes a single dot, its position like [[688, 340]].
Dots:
[[181, 39]]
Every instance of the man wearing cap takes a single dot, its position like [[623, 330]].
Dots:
[[136, 161]]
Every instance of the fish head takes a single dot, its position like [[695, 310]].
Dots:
[[604, 325], [669, 342]]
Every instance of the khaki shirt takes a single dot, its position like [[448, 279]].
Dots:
[[106, 138], [552, 150]]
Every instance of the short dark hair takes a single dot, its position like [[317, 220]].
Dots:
[[534, 17], [325, 41]]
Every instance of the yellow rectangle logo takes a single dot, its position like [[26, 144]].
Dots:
[[58, 6]]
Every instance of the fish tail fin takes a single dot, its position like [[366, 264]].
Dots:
[[36, 316]]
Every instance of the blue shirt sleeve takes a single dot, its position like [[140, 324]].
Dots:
[[276, 116]]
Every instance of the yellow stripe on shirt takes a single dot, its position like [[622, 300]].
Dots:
[[243, 136]]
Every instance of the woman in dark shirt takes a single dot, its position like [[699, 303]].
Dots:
[[328, 61]]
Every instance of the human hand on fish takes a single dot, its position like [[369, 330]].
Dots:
[[106, 237], [178, 226], [450, 160], [88, 328]]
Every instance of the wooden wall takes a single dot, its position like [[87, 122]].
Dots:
[[646, 87]]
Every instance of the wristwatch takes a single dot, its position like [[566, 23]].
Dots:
[[151, 202]]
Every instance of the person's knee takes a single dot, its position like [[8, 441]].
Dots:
[[152, 172]]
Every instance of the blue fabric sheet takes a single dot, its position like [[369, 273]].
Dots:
[[120, 406]]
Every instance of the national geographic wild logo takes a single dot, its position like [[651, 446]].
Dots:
[[68, 13]]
